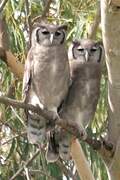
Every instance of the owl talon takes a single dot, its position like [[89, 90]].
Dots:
[[83, 135]]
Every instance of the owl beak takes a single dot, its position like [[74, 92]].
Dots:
[[86, 56], [51, 38]]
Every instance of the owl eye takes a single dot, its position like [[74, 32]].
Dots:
[[81, 50], [93, 49], [57, 33], [45, 32]]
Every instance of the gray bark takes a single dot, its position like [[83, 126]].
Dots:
[[110, 21]]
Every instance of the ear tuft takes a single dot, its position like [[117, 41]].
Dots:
[[76, 42]]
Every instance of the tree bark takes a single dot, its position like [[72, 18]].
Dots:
[[110, 20]]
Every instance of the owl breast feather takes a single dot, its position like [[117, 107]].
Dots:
[[51, 75]]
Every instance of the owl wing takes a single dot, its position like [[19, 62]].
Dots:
[[27, 74]]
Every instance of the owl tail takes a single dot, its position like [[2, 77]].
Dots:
[[64, 145], [36, 129], [52, 153]]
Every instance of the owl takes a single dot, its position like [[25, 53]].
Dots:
[[80, 105], [83, 95], [46, 76]]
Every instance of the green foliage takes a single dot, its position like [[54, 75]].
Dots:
[[15, 150]]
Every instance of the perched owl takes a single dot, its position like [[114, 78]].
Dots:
[[80, 105], [46, 76], [82, 99]]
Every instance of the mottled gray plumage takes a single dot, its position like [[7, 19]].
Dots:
[[82, 99], [46, 76]]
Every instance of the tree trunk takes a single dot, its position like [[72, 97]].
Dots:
[[110, 20]]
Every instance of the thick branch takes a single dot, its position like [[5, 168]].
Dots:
[[82, 165], [18, 104]]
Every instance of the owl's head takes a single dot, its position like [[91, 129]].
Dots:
[[49, 34], [86, 51]]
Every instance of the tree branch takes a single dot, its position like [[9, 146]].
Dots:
[[17, 104], [96, 144], [82, 165]]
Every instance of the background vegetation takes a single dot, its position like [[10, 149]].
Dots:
[[15, 150]]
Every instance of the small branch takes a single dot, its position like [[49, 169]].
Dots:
[[25, 165], [45, 12], [2, 5], [94, 26], [9, 140]]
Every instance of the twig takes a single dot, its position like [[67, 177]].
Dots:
[[2, 5], [44, 14], [9, 140], [25, 165]]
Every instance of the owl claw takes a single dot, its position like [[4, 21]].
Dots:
[[51, 156], [83, 135]]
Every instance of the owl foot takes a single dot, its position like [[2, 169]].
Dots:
[[64, 147], [82, 134], [51, 156], [78, 131]]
